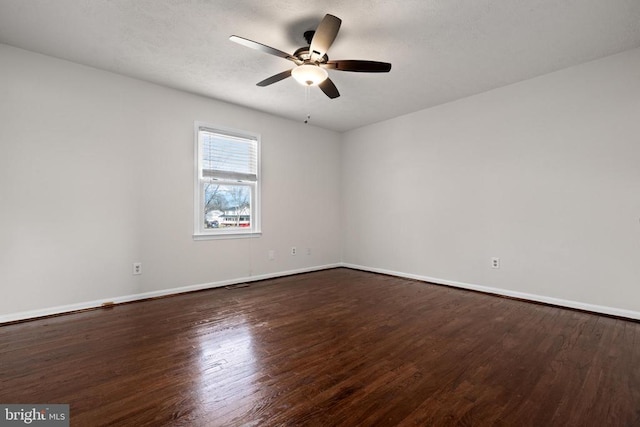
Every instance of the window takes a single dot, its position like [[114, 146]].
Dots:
[[227, 188]]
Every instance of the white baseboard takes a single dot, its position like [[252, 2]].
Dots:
[[25, 315], [612, 311]]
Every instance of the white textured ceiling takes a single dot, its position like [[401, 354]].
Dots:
[[441, 50]]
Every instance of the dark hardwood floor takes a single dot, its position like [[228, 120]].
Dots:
[[337, 347]]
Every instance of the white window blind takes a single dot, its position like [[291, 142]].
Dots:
[[228, 157]]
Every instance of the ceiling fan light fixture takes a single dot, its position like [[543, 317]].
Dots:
[[309, 75]]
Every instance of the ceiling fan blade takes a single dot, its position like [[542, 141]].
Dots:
[[329, 88], [276, 78], [262, 47], [359, 66], [325, 35]]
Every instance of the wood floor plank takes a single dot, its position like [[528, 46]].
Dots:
[[338, 347]]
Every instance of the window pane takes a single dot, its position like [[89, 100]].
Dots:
[[227, 206]]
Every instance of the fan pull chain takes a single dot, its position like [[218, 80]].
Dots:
[[306, 103]]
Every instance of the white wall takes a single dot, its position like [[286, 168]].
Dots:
[[96, 172], [544, 174]]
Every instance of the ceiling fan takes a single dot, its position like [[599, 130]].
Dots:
[[312, 61]]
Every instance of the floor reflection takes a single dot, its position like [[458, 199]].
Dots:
[[229, 369]]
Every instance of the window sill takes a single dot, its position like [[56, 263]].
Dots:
[[231, 235]]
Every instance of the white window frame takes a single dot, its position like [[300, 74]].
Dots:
[[202, 233]]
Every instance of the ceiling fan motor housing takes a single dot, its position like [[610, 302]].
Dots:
[[304, 55]]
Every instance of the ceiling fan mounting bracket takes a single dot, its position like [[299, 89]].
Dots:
[[308, 36]]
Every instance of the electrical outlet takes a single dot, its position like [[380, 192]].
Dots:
[[308, 251], [137, 268], [293, 250], [495, 262], [271, 254]]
